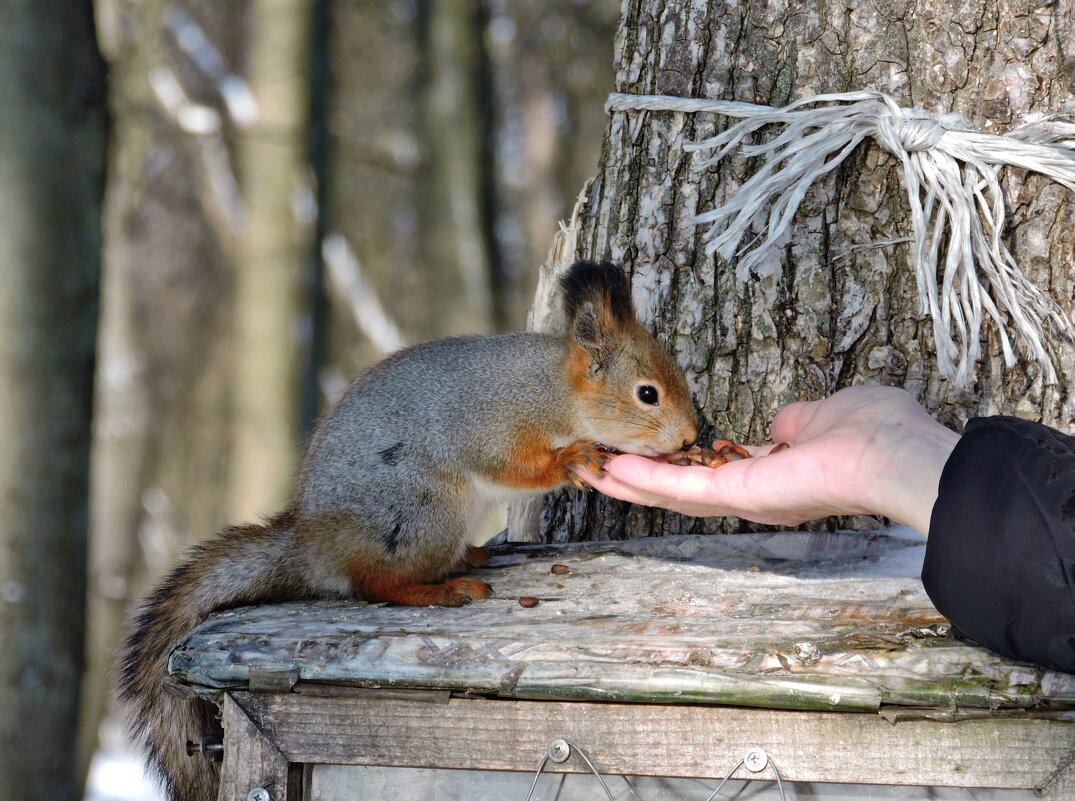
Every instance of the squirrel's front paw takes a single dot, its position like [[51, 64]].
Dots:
[[583, 454], [476, 556]]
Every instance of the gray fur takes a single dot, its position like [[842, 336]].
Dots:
[[429, 414]]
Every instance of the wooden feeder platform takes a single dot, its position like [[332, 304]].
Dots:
[[669, 656]]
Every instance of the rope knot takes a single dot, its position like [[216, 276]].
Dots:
[[953, 189], [918, 133]]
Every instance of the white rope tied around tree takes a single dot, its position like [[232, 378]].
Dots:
[[951, 174]]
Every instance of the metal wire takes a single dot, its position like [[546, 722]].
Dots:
[[724, 781], [779, 784], [582, 755], [589, 764], [540, 767], [560, 788], [596, 773], [739, 764], [634, 789]]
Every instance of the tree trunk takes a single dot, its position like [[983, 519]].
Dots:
[[164, 374], [828, 316], [553, 75], [52, 150], [272, 253], [475, 123], [455, 208]]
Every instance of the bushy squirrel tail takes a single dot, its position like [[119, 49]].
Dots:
[[242, 565]]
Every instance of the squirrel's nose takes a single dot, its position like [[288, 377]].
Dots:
[[688, 430]]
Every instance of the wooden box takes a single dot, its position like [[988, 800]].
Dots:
[[662, 657]]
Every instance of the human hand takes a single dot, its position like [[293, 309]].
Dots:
[[863, 450]]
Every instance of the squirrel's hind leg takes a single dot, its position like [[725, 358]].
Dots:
[[398, 549], [394, 589], [411, 578]]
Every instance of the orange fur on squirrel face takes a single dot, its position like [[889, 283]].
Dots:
[[611, 366]]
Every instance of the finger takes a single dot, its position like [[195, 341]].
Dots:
[[612, 487], [766, 450], [740, 488], [684, 488], [790, 420]]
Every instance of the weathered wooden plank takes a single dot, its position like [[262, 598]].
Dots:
[[642, 739], [792, 620], [252, 760]]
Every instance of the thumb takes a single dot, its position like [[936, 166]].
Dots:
[[790, 420]]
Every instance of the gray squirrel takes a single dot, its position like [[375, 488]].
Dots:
[[396, 474]]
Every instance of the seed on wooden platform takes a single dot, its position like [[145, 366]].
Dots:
[[528, 601], [560, 570]]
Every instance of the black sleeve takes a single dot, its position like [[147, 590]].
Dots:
[[1000, 557]]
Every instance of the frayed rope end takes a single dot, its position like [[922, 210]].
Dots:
[[951, 174]]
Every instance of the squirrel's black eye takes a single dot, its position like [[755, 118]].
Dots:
[[647, 394]]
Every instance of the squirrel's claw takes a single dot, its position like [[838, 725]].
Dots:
[[582, 455]]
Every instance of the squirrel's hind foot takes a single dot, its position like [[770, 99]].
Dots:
[[456, 592]]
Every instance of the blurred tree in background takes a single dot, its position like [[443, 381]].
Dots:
[[297, 187], [270, 259], [52, 156], [461, 134]]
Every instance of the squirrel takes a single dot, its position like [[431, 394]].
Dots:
[[397, 472]]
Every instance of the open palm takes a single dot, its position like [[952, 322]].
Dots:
[[864, 450]]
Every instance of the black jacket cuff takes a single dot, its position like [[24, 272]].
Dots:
[[1000, 557]]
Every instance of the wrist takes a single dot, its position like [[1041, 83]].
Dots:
[[908, 485]]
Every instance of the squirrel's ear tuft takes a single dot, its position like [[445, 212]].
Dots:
[[597, 300], [603, 287]]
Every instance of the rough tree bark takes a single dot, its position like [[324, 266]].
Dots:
[[52, 153], [829, 316]]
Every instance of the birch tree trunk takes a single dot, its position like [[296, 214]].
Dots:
[[827, 316], [52, 151]]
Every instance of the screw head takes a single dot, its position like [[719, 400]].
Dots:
[[258, 794], [756, 760], [558, 750]]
